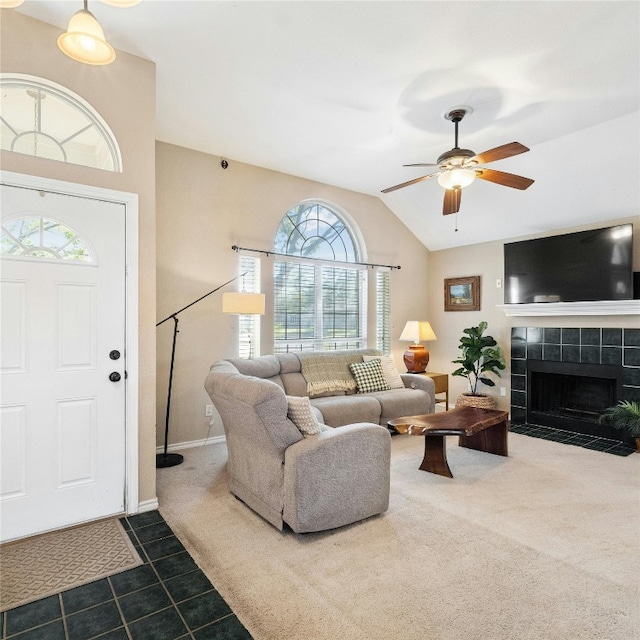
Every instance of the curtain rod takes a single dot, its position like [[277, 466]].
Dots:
[[236, 248]]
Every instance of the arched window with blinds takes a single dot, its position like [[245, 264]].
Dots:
[[320, 292]]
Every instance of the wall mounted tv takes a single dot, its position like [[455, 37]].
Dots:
[[582, 266]]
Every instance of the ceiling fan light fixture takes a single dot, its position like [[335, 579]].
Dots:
[[456, 178], [84, 40]]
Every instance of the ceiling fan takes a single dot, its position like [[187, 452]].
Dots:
[[460, 167]]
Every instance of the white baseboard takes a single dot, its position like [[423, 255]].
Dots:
[[147, 505], [193, 443]]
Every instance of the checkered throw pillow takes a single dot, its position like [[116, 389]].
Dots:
[[369, 376], [389, 370]]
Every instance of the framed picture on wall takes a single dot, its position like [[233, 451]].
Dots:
[[462, 294]]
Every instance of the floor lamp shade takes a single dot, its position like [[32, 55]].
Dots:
[[416, 358], [243, 303]]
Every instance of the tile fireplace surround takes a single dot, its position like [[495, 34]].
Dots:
[[593, 346]]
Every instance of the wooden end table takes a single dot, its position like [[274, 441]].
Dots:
[[481, 429]]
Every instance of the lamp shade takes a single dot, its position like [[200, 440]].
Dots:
[[243, 303], [84, 40], [417, 331]]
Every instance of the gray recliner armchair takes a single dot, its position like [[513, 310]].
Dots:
[[315, 483]]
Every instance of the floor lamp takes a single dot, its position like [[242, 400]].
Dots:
[[239, 303]]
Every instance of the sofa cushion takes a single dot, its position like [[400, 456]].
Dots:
[[369, 376], [340, 410], [300, 413], [389, 370], [402, 402]]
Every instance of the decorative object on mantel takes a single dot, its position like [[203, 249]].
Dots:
[[239, 303], [462, 294], [480, 355], [625, 416], [416, 358]]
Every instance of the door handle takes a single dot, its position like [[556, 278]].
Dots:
[[114, 377], [114, 355]]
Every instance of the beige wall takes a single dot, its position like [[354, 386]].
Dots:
[[486, 260], [202, 211], [124, 95]]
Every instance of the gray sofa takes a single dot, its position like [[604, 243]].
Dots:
[[317, 482]]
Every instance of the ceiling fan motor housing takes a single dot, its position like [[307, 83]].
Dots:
[[455, 158]]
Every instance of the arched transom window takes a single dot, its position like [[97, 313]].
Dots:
[[46, 120], [43, 238], [319, 297], [312, 229]]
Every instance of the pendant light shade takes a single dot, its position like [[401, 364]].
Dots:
[[84, 40]]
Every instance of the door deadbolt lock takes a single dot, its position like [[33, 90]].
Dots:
[[114, 377], [114, 355]]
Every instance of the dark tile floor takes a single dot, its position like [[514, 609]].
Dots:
[[579, 440], [166, 598]]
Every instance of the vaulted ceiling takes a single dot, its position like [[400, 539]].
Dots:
[[345, 93]]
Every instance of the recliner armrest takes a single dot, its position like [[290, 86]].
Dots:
[[340, 476]]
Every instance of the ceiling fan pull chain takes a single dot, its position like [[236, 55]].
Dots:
[[456, 222]]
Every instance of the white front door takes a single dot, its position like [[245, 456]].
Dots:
[[62, 436]]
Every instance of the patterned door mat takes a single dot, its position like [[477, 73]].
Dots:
[[42, 565]]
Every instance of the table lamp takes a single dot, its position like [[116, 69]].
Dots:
[[416, 358]]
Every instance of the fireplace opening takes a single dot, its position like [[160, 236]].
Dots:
[[572, 396]]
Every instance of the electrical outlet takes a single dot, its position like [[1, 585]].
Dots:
[[503, 392], [208, 410], [498, 283]]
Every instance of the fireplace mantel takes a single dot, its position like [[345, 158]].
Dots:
[[596, 308]]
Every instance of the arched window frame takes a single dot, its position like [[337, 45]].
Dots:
[[72, 100], [323, 304]]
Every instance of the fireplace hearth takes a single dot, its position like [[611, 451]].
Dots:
[[563, 378]]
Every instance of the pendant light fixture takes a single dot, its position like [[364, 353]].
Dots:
[[84, 40]]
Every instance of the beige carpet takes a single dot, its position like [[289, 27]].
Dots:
[[42, 565], [543, 545]]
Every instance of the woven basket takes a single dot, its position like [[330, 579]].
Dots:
[[480, 402]]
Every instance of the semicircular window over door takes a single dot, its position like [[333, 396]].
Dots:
[[46, 120], [43, 238]]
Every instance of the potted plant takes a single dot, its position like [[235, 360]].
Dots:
[[626, 416], [480, 356]]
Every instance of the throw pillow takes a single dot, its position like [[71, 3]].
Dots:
[[389, 370], [300, 413], [369, 376]]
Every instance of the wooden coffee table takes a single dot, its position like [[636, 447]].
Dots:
[[480, 429]]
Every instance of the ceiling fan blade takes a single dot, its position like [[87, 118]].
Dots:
[[505, 151], [451, 203], [421, 164], [410, 182], [505, 179]]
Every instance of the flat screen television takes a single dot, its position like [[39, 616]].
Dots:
[[582, 266]]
